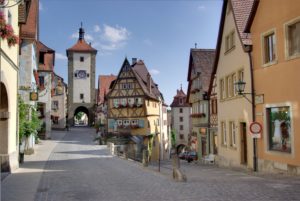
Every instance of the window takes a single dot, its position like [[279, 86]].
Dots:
[[241, 75], [116, 103], [9, 18], [222, 89], [229, 86], [180, 110], [279, 128], [42, 82], [232, 134], [180, 101], [223, 133], [230, 41], [165, 122], [81, 96], [214, 106], [148, 103], [181, 119], [124, 102], [54, 105], [81, 59], [42, 58], [234, 80], [181, 127], [293, 38], [269, 45], [181, 136]]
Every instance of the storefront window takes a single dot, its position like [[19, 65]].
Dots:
[[279, 128]]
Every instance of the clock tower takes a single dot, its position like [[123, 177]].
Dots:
[[81, 79]]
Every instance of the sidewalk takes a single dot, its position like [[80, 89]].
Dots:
[[23, 183]]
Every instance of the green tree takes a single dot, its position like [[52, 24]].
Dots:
[[173, 138]]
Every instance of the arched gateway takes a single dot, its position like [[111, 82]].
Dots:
[[3, 128], [81, 79]]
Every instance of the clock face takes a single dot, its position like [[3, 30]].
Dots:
[[81, 74]]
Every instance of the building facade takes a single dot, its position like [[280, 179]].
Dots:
[[28, 63], [45, 75], [81, 79], [275, 34], [233, 64], [59, 103], [9, 69], [181, 111], [104, 82], [134, 109], [199, 73]]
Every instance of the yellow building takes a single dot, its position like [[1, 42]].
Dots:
[[275, 30], [134, 109], [9, 89], [232, 64]]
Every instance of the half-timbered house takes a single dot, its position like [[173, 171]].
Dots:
[[133, 110]]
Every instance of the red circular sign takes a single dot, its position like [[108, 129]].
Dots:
[[255, 128]]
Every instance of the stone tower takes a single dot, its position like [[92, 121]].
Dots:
[[81, 79]]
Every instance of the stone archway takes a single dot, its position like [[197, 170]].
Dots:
[[4, 115], [81, 116]]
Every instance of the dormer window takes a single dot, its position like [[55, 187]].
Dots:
[[42, 58], [180, 101]]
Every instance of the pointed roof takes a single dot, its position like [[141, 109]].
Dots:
[[242, 13], [81, 45], [29, 16], [180, 99], [142, 73], [104, 82], [43, 48]]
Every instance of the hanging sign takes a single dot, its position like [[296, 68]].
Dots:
[[34, 96]]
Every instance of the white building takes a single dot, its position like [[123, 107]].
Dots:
[[181, 111]]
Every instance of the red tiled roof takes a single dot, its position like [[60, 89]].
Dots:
[[81, 46], [30, 30], [241, 11], [49, 57], [201, 60], [176, 101], [104, 82]]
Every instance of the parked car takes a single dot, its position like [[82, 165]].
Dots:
[[191, 156], [182, 155], [188, 156]]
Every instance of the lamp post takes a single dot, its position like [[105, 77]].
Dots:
[[240, 88]]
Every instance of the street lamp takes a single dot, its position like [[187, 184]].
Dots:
[[240, 88]]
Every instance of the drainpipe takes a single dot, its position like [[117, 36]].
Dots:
[[249, 49]]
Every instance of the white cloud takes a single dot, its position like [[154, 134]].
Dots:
[[154, 71], [97, 28], [148, 42], [201, 7], [60, 56], [107, 38], [89, 37], [41, 6], [115, 34]]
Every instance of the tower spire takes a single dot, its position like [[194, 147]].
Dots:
[[81, 33]]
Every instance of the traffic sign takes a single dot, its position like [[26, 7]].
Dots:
[[255, 129]]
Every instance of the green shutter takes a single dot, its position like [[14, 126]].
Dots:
[[141, 123]]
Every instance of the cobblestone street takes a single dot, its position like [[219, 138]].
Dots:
[[78, 169]]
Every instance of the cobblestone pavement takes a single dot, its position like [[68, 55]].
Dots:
[[78, 169]]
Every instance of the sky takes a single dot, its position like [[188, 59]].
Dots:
[[159, 32]]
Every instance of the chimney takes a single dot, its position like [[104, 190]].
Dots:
[[149, 82], [134, 60]]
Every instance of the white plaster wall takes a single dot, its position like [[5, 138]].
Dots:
[[82, 86], [186, 123]]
